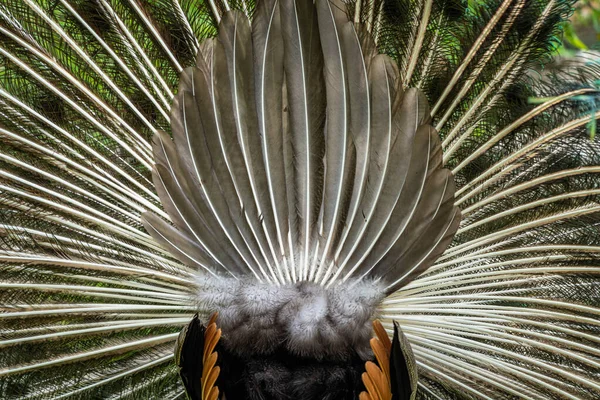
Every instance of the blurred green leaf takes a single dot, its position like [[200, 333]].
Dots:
[[573, 39]]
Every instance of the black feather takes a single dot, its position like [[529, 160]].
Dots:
[[189, 354]]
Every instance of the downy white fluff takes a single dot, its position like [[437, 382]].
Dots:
[[306, 319]]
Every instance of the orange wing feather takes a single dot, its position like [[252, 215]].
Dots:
[[210, 371], [377, 376]]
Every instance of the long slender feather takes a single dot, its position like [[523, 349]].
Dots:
[[300, 153], [337, 135], [381, 79], [306, 102], [249, 177], [359, 124], [268, 47]]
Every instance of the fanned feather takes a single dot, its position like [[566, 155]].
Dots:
[[268, 67], [304, 86], [92, 297]]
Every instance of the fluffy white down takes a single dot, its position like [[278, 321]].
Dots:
[[307, 319]]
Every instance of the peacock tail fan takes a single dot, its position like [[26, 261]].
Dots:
[[301, 169]]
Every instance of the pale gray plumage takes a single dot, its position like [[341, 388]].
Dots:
[[305, 318]]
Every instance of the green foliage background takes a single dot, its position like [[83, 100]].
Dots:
[[583, 30], [582, 33]]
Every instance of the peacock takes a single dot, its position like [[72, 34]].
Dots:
[[297, 199]]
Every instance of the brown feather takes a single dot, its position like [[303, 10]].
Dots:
[[382, 356], [370, 386], [209, 364], [382, 335], [210, 371], [212, 338], [214, 316], [214, 394], [377, 379]]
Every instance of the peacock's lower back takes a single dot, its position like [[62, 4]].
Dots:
[[301, 169]]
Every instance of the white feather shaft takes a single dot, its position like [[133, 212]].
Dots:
[[521, 227], [140, 51], [119, 186], [84, 56], [126, 373], [138, 152], [116, 349], [146, 20], [416, 51], [541, 140], [519, 122], [134, 78], [471, 54], [84, 265]]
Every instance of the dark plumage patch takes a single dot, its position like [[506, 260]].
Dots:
[[188, 356], [283, 376]]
